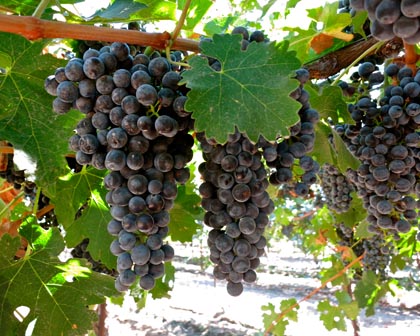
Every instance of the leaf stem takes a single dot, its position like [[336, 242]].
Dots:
[[40, 9], [307, 297], [33, 28], [357, 60], [36, 201]]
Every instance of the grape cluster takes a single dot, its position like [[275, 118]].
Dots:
[[336, 188], [237, 207], [136, 128], [377, 256], [390, 18], [284, 157], [385, 138]]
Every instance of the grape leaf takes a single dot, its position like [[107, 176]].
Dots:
[[128, 10], [184, 214], [329, 103], [219, 25], [164, 284], [270, 318], [367, 292], [92, 224], [47, 286], [251, 91], [197, 10], [76, 191], [346, 159], [330, 148], [323, 150], [358, 21], [355, 214], [119, 9], [332, 316], [26, 116], [27, 7], [349, 306]]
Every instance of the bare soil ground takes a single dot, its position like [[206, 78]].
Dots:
[[201, 306]]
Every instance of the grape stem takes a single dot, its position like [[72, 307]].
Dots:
[[33, 28], [411, 56], [307, 297]]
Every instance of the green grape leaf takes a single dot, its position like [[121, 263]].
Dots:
[[164, 284], [358, 21], [362, 230], [92, 224], [196, 12], [47, 286], [184, 214], [218, 25], [272, 315], [347, 305], [329, 103], [323, 150], [119, 9], [336, 267], [330, 148], [332, 316], [367, 292], [27, 7], [75, 190], [78, 190], [345, 158], [128, 10], [355, 214], [251, 91], [26, 116]]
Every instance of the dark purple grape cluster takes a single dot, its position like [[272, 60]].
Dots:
[[237, 207], [136, 128], [390, 18], [290, 153], [377, 256], [385, 137], [336, 188]]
